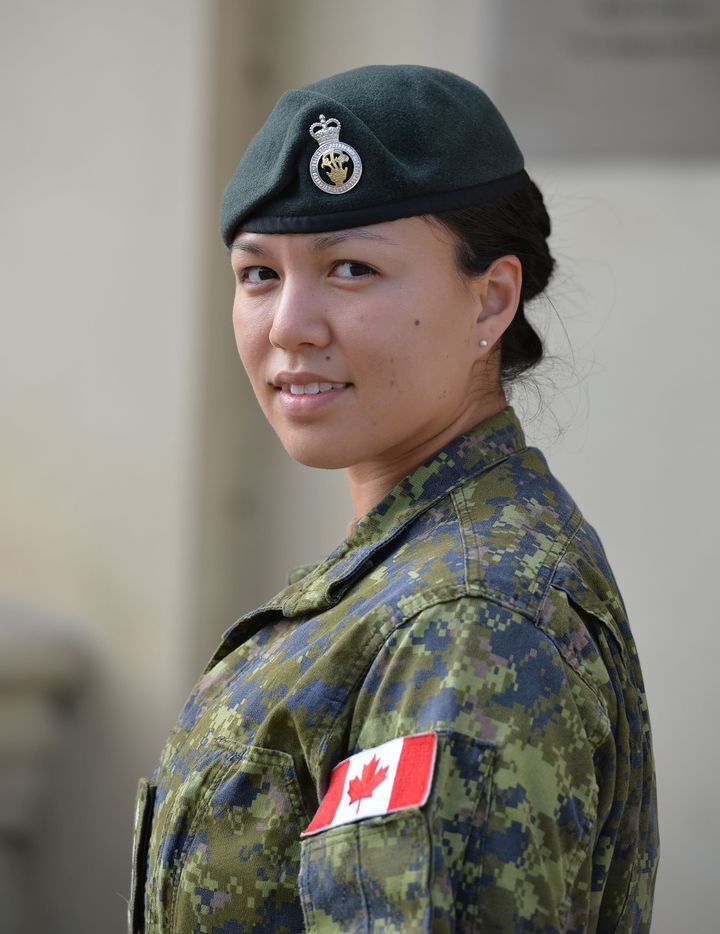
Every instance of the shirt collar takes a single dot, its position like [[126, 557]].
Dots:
[[466, 456]]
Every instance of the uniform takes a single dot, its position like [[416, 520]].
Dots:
[[475, 605]]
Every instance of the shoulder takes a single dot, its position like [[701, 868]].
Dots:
[[507, 535], [487, 671], [515, 523]]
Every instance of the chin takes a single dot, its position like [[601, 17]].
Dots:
[[323, 456]]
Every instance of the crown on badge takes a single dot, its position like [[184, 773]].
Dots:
[[325, 130]]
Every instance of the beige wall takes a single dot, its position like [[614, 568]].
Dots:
[[142, 496], [103, 167], [638, 407]]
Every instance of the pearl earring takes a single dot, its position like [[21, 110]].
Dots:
[[483, 343]]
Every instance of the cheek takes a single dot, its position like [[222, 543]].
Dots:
[[250, 338], [435, 360]]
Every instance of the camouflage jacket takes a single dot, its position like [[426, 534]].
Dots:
[[474, 603]]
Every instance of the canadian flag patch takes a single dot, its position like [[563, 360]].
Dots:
[[377, 781]]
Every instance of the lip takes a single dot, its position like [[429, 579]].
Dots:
[[302, 378], [305, 404]]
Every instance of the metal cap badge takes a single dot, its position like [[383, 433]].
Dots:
[[335, 167]]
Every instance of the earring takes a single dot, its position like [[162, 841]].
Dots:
[[483, 343]]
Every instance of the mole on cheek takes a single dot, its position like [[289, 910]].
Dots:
[[417, 321], [328, 357]]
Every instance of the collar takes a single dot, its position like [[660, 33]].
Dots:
[[314, 589]]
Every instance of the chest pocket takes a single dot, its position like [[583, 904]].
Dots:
[[225, 852], [410, 870]]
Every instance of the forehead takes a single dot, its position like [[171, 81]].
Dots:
[[410, 233]]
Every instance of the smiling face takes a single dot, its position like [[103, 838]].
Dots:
[[362, 345]]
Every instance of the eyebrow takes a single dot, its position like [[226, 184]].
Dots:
[[323, 242], [248, 246], [340, 236]]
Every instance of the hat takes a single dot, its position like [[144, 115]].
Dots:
[[369, 145]]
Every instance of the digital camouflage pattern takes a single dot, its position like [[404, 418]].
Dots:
[[476, 601]]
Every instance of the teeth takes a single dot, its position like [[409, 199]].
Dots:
[[312, 389]]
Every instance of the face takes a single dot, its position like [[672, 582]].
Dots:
[[361, 345]]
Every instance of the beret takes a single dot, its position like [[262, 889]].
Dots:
[[369, 145]]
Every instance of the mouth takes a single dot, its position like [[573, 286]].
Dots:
[[304, 395], [310, 389]]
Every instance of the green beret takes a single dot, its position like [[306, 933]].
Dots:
[[371, 145]]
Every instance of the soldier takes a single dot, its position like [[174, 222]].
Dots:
[[442, 726]]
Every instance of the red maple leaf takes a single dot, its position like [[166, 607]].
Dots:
[[363, 786]]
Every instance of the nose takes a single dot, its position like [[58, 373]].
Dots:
[[299, 317]]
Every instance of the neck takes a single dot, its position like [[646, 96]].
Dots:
[[370, 482]]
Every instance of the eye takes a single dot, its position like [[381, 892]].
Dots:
[[255, 275], [348, 269]]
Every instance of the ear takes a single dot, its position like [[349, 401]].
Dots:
[[498, 296]]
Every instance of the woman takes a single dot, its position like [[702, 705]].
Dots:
[[442, 726]]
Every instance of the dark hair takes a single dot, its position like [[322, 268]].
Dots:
[[516, 224]]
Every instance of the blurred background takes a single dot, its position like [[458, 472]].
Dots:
[[144, 504]]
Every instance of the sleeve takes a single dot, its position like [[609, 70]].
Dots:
[[503, 842]]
